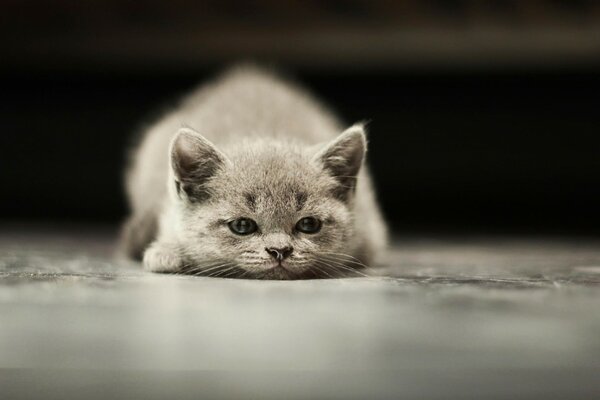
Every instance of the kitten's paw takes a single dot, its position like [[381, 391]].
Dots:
[[162, 258]]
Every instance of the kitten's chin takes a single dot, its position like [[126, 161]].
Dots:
[[280, 272]]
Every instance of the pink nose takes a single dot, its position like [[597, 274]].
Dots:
[[279, 254]]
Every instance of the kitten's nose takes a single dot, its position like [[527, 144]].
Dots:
[[279, 254]]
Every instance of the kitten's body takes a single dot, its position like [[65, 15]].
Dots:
[[267, 133]]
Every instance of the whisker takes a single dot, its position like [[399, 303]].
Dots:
[[179, 271], [343, 255], [348, 261], [212, 267], [323, 271], [339, 269], [226, 272], [222, 270], [191, 268], [342, 272], [203, 269], [213, 270], [348, 268], [341, 266]]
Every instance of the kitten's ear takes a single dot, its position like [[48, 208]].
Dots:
[[343, 157], [194, 160]]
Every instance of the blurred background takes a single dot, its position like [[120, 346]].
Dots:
[[484, 114]]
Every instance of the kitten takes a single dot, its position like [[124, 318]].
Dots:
[[265, 185]]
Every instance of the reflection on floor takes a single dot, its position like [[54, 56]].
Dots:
[[445, 318]]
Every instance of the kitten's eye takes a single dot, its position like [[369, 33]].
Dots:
[[309, 225], [243, 226]]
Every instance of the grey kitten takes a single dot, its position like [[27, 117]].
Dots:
[[268, 187]]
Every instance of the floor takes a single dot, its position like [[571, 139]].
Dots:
[[448, 317]]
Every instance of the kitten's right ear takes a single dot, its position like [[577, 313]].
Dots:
[[343, 157], [194, 160]]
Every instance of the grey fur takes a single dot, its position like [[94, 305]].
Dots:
[[265, 150]]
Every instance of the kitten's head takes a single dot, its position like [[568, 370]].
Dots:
[[266, 210]]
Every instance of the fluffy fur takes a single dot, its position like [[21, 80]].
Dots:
[[250, 145]]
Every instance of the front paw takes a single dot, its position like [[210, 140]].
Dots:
[[162, 258]]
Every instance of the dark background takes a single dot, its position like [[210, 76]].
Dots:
[[484, 114]]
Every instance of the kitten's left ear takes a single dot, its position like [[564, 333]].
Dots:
[[343, 157], [194, 160]]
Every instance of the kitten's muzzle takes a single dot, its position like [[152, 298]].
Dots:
[[279, 254]]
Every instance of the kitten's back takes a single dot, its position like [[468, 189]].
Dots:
[[247, 101]]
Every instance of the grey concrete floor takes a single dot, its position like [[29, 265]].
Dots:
[[478, 317]]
